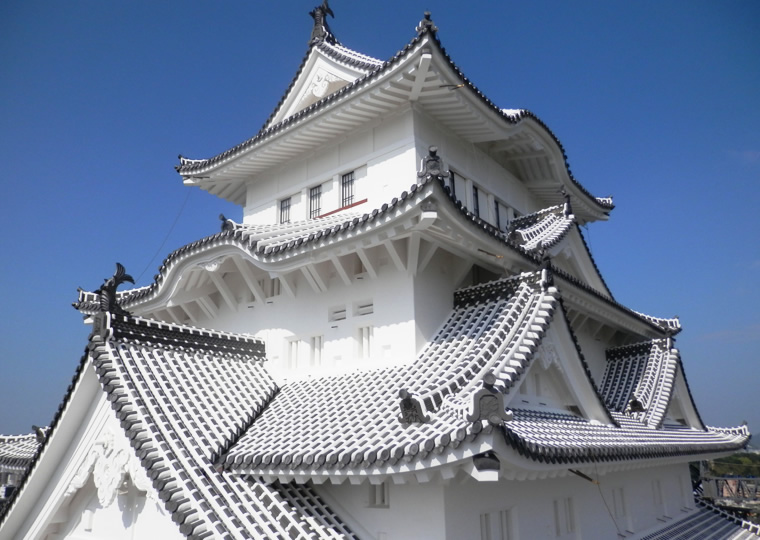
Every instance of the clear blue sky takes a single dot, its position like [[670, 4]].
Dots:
[[656, 103]]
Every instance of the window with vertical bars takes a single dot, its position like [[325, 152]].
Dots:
[[315, 201], [453, 184], [347, 189], [475, 201], [285, 210], [497, 214]]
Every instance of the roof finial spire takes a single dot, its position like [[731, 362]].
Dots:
[[321, 30], [426, 25]]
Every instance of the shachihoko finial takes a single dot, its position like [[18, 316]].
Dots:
[[321, 30], [107, 291]]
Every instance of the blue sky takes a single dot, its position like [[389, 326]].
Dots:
[[656, 103]]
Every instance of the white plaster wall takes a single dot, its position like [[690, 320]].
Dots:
[[593, 352], [434, 295], [382, 155], [532, 503], [415, 511], [472, 163], [307, 315]]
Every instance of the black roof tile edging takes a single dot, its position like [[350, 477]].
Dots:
[[135, 429], [171, 335], [236, 235], [559, 455], [51, 430]]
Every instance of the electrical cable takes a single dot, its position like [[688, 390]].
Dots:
[[163, 242], [599, 487]]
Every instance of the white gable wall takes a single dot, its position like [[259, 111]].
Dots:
[[84, 486]]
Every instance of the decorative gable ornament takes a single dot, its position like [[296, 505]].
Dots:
[[110, 462]]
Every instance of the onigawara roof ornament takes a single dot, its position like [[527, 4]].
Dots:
[[567, 210], [321, 30], [426, 24], [411, 409], [227, 224], [432, 166], [107, 292]]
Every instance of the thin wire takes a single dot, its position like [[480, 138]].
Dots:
[[171, 229], [599, 487]]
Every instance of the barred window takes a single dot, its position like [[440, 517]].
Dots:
[[453, 184], [475, 201], [285, 210], [497, 214], [315, 201], [347, 189]]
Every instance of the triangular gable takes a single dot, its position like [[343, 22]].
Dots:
[[180, 396], [558, 378], [681, 408], [326, 69], [647, 382], [574, 257]]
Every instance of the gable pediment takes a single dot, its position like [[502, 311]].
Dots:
[[320, 76]]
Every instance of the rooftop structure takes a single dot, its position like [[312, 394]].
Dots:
[[405, 337]]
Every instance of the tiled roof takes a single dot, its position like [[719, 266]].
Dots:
[[707, 523], [265, 241], [644, 373], [376, 69], [343, 54], [182, 395], [556, 437], [543, 229], [323, 424], [17, 451]]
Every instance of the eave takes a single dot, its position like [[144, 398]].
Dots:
[[422, 74]]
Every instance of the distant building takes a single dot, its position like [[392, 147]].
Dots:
[[406, 337], [16, 453]]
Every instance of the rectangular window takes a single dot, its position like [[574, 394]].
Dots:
[[453, 184], [285, 210], [292, 353], [564, 517], [315, 202], [347, 189], [497, 214], [475, 201], [618, 503], [379, 495], [496, 525], [365, 342], [316, 350]]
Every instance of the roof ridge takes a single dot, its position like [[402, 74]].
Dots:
[[143, 330]]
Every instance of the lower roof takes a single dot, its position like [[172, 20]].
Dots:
[[17, 451]]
